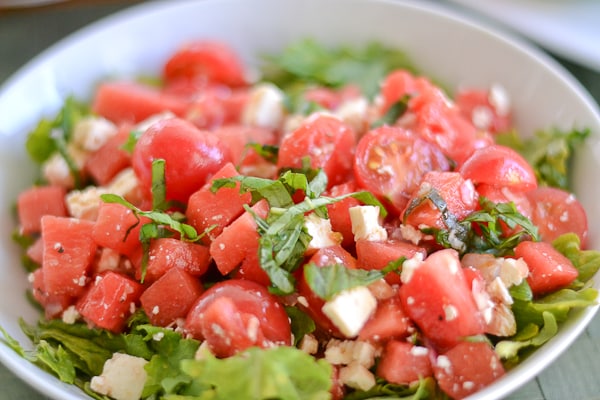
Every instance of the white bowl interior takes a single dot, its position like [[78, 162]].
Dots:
[[450, 48]]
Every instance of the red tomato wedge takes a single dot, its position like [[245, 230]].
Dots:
[[206, 60], [391, 161], [235, 314], [549, 270], [328, 142], [191, 156], [499, 166]]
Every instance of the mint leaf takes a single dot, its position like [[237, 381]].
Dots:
[[283, 373]]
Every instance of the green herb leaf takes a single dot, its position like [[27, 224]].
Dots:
[[425, 388], [307, 63], [328, 281], [284, 373], [509, 349], [587, 262], [300, 322], [393, 113]]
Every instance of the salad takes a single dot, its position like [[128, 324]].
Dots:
[[340, 228]]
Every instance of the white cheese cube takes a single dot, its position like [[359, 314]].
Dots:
[[365, 223], [123, 377], [91, 133], [84, 204], [357, 376], [350, 309], [265, 107], [320, 231]]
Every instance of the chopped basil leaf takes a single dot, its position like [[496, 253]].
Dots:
[[301, 324], [132, 140], [268, 152], [481, 231], [393, 113], [330, 280]]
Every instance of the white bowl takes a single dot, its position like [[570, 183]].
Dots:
[[449, 47]]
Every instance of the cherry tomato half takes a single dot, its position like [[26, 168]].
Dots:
[[236, 314], [391, 161], [191, 156], [500, 166]]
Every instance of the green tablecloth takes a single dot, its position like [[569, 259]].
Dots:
[[24, 33]]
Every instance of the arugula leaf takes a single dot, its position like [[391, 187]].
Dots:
[[307, 63], [330, 280], [58, 360], [284, 373], [549, 152]]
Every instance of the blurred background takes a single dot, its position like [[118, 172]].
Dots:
[[28, 27]]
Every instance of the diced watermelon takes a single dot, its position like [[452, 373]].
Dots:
[[110, 300], [435, 295], [403, 363], [110, 159], [338, 212], [389, 321], [378, 254], [38, 201], [168, 253], [68, 254], [549, 270], [53, 304], [36, 251], [130, 102], [117, 228], [251, 270], [216, 210], [170, 297], [467, 368], [229, 249]]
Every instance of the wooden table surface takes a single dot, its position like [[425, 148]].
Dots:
[[575, 375]]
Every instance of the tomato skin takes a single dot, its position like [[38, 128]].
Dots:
[[459, 195], [499, 166], [438, 299], [391, 161], [339, 214], [556, 212], [549, 270], [328, 142], [467, 368], [235, 306], [206, 60], [191, 156]]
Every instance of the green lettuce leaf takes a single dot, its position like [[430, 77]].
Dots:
[[509, 349], [283, 373]]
